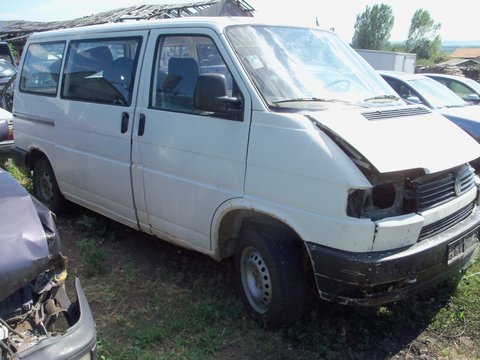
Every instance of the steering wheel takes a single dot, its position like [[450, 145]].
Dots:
[[343, 84]]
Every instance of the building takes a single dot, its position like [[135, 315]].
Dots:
[[466, 53], [17, 32], [389, 60]]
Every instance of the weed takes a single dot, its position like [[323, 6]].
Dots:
[[93, 255], [92, 225], [23, 177]]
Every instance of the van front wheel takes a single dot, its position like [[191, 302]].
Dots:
[[46, 188], [269, 276]]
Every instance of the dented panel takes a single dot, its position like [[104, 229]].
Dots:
[[32, 285], [25, 252], [384, 276]]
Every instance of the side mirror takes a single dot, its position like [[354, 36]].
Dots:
[[413, 99], [3, 130], [473, 97], [211, 96]]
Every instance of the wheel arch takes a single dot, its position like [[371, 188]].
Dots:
[[33, 155], [231, 217]]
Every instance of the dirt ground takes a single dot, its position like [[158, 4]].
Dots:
[[186, 271]]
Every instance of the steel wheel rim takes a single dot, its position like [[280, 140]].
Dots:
[[256, 280], [46, 187]]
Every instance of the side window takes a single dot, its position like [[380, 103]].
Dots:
[[442, 81], [180, 61], [41, 68], [403, 91], [101, 71], [460, 89]]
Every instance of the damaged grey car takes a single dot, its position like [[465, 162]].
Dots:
[[37, 319]]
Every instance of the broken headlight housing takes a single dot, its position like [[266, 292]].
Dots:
[[391, 195]]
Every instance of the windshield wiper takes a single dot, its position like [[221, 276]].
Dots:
[[451, 106], [308, 99], [383, 97]]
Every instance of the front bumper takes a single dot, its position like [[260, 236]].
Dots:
[[379, 277], [79, 340]]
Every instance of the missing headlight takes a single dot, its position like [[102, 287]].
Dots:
[[392, 194], [383, 196], [380, 201]]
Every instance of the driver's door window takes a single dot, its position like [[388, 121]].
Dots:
[[179, 61]]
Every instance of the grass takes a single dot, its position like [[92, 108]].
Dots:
[[24, 178], [187, 309], [152, 300]]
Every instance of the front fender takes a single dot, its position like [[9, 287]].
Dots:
[[345, 233]]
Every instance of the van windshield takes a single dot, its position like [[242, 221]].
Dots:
[[301, 68]]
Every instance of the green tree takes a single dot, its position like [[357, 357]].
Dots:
[[373, 27], [423, 36]]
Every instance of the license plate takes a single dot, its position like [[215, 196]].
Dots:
[[458, 247]]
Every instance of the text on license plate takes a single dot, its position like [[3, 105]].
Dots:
[[457, 247]]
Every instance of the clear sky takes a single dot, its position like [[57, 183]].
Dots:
[[458, 22]]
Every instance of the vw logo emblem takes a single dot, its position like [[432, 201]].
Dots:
[[457, 187]]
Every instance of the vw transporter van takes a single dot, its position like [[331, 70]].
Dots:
[[277, 145]]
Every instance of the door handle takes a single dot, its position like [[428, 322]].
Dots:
[[141, 125], [125, 118]]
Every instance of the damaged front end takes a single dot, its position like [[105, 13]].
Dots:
[[37, 319], [426, 229]]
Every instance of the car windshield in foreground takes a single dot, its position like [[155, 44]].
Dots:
[[438, 95], [291, 66]]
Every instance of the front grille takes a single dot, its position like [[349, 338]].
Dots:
[[447, 222], [433, 191], [388, 114]]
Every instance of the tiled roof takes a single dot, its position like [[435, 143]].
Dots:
[[466, 53]]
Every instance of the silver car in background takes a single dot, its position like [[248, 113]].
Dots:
[[467, 89]]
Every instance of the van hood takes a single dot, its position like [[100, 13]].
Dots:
[[402, 138]]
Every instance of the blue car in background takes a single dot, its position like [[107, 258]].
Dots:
[[420, 89]]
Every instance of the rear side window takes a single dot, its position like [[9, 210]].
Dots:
[[101, 70], [41, 68]]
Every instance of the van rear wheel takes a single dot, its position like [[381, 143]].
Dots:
[[46, 188], [269, 276]]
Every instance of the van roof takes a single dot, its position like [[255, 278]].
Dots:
[[216, 23]]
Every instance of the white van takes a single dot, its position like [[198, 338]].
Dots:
[[278, 145]]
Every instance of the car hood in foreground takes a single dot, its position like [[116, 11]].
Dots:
[[25, 251], [402, 138]]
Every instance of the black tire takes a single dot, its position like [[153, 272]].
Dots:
[[46, 188], [270, 276]]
